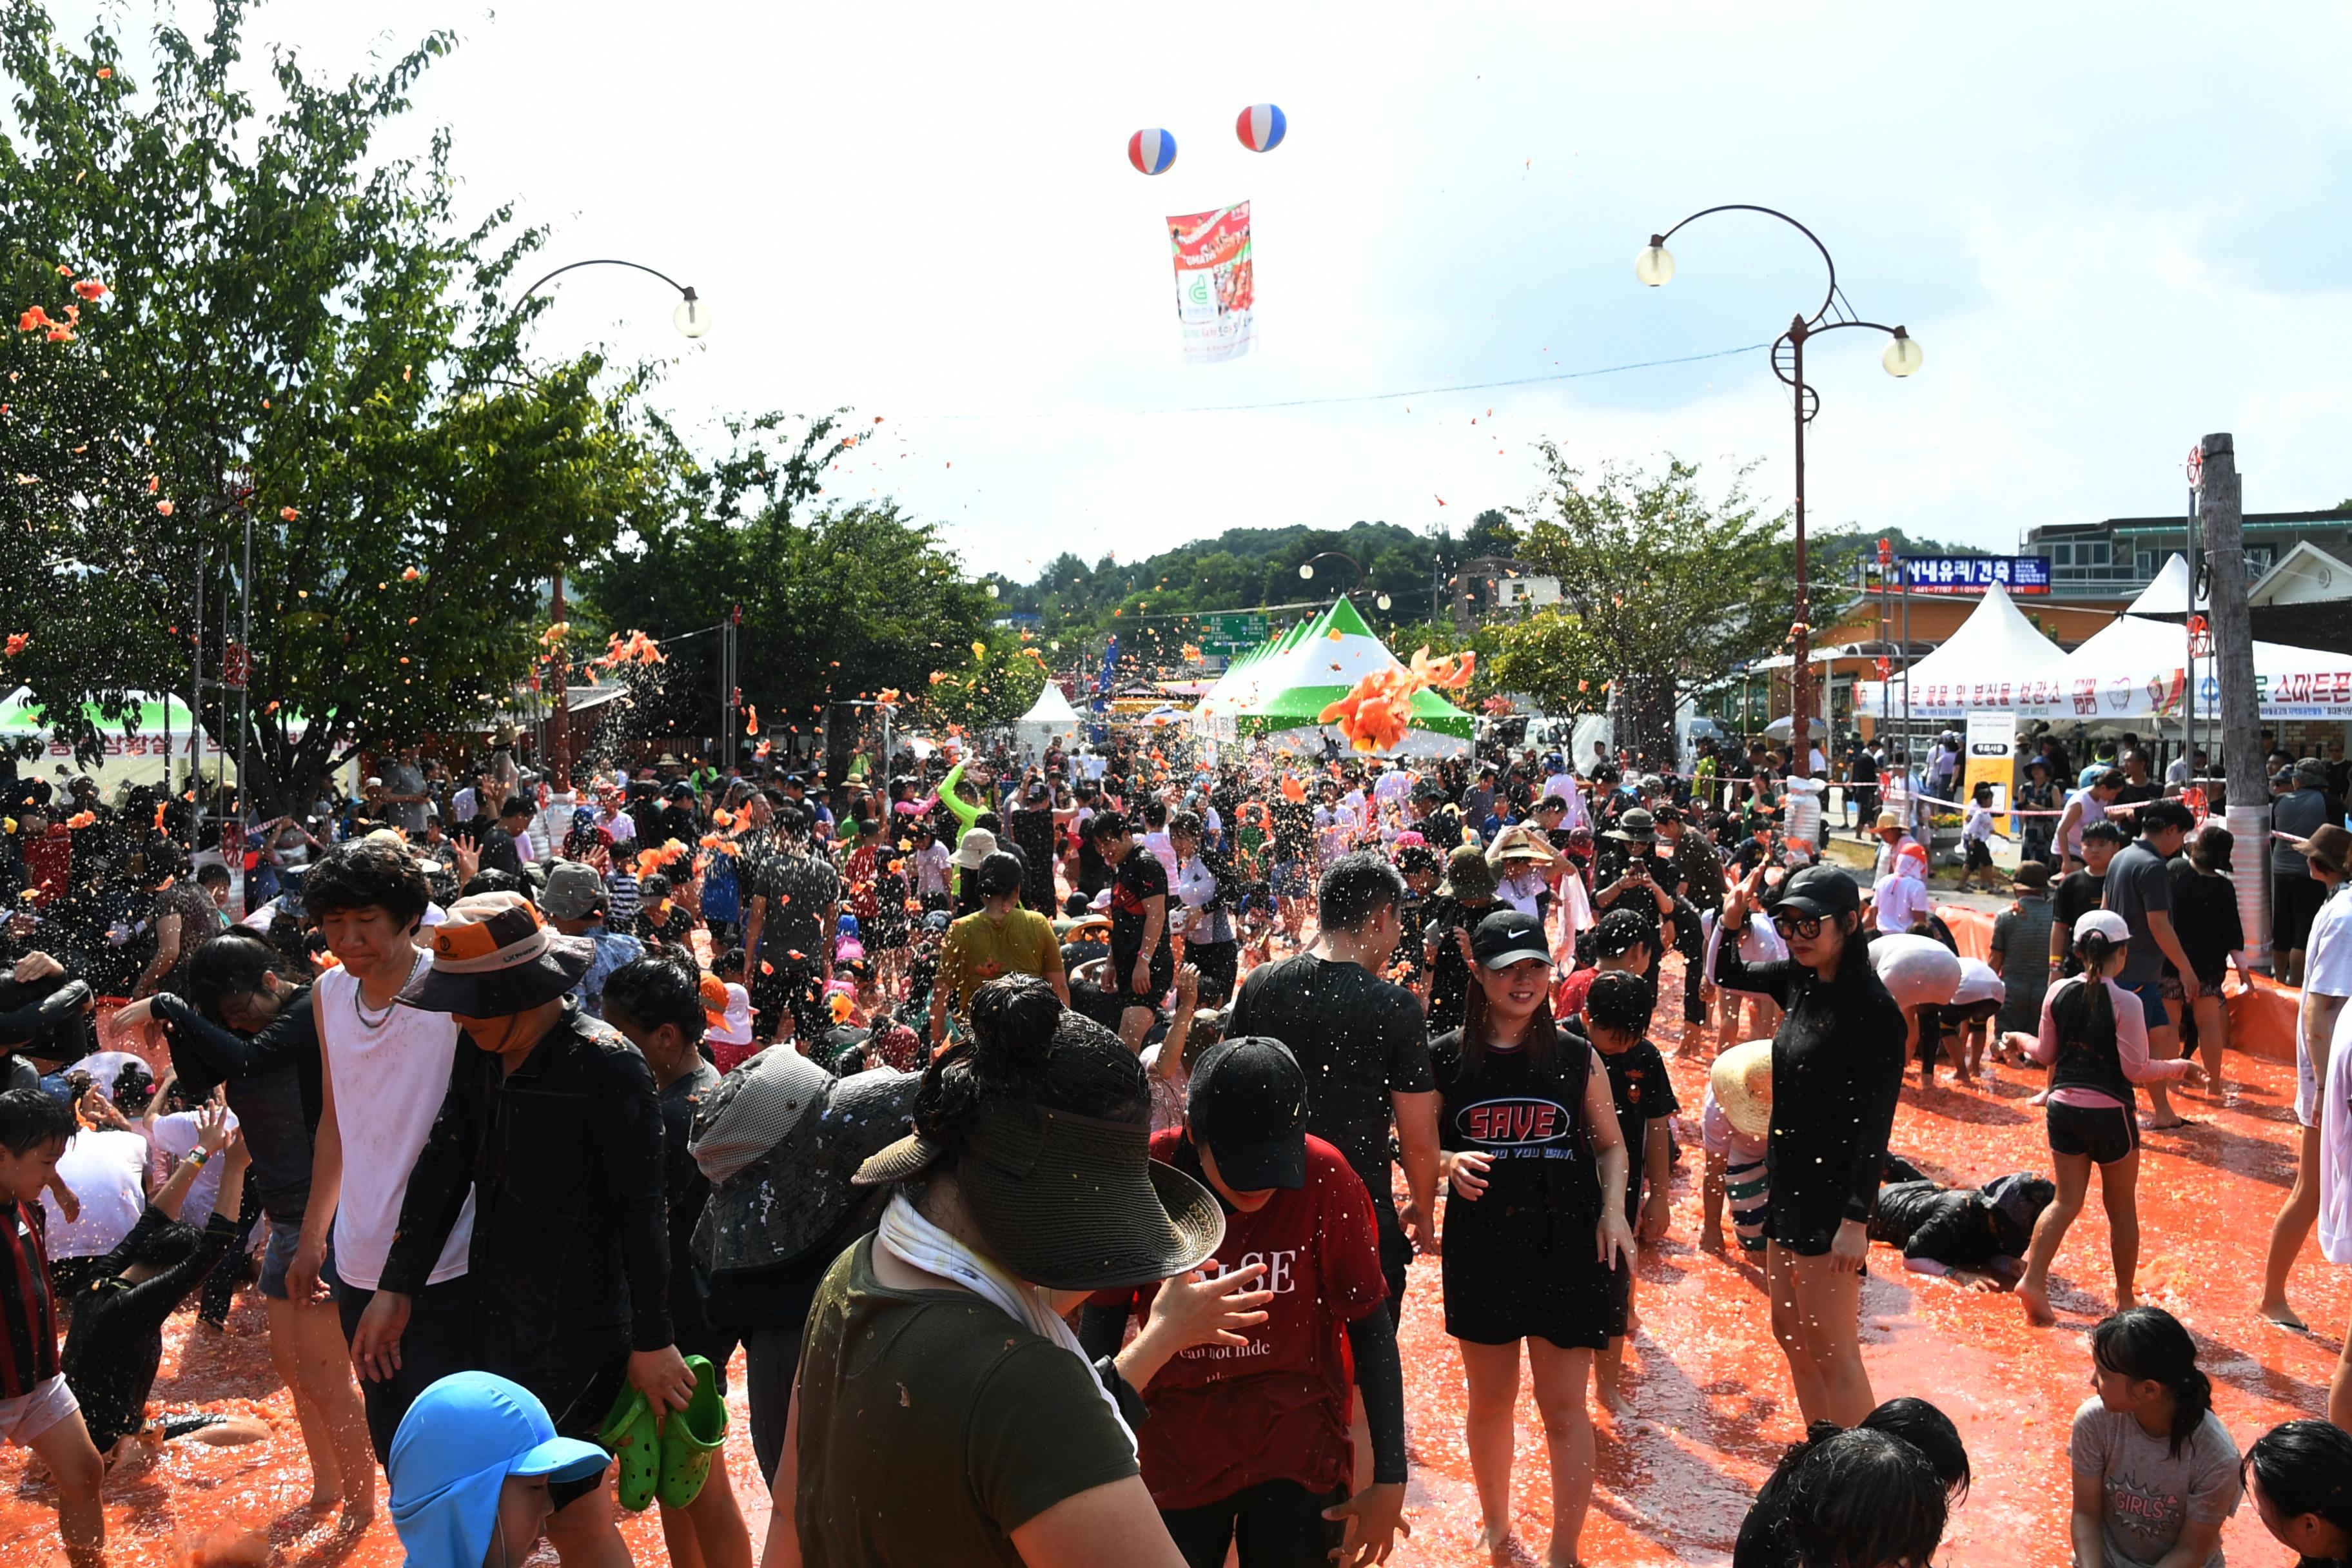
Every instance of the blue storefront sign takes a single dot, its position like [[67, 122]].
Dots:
[[1974, 574]]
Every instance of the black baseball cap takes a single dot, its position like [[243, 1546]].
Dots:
[[1248, 1105], [1819, 890], [1508, 937]]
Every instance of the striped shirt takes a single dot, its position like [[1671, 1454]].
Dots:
[[1747, 1189], [28, 1313]]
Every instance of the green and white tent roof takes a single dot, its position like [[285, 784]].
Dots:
[[1282, 686]]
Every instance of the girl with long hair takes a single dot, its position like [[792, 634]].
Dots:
[[1837, 1072], [2156, 1474], [1535, 1223], [2093, 1039]]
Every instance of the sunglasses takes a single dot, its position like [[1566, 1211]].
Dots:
[[1804, 926]]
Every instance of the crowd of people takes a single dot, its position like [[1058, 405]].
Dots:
[[1065, 1131]]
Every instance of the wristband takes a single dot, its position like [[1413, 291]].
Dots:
[[197, 1157]]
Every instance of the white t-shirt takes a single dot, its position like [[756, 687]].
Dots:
[[107, 1171], [175, 1137], [619, 823], [1394, 787], [2326, 972], [1901, 901], [390, 1077], [2335, 1146]]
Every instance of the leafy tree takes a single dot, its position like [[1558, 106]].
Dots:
[[1491, 533], [297, 338], [838, 601], [1663, 589]]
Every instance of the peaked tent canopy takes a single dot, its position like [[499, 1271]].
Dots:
[[1280, 690], [1050, 718], [2136, 667], [1997, 661], [2168, 594]]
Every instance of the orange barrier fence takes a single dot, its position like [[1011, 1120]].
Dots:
[[2262, 1011]]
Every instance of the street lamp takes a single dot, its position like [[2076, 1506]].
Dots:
[[691, 318], [1654, 267], [1306, 570]]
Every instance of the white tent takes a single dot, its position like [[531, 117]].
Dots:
[[1050, 718], [1279, 691], [2168, 594], [1997, 660], [2136, 667]]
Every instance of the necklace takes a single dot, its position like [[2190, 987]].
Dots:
[[359, 1008]]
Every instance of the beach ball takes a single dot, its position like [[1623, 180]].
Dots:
[[1151, 150], [1260, 127]]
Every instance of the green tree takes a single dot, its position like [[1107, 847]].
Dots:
[[838, 601], [1663, 589], [300, 339]]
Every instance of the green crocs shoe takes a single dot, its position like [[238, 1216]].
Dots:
[[636, 1444], [691, 1437]]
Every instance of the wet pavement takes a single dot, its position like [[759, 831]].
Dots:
[[1715, 1403]]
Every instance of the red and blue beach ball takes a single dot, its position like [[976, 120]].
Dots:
[[1260, 127], [1151, 150]]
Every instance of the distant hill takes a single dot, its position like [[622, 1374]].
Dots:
[[1243, 568]]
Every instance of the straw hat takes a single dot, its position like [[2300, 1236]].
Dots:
[[1742, 1081]]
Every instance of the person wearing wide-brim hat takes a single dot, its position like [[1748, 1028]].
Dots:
[[1466, 897], [552, 1127], [1630, 874], [936, 1346]]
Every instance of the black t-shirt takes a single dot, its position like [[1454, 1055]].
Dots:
[[1358, 1038], [116, 1343], [1449, 975], [1639, 1083], [1138, 877], [801, 889], [1294, 829], [2078, 894], [1953, 1227], [1862, 769], [2205, 918]]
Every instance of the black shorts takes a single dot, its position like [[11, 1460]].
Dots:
[[1979, 855], [2105, 1133], [2297, 897], [1275, 1521]]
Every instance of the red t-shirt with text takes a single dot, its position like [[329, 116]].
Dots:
[[1225, 1417]]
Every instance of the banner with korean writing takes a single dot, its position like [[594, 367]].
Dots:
[[1990, 759], [1974, 574], [1217, 288]]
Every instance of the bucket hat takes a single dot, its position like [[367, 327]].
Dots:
[[2033, 877], [1067, 1202], [974, 847], [493, 956], [2330, 846], [1741, 1078], [1635, 825], [573, 890], [1468, 874]]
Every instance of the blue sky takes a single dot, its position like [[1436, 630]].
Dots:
[[2111, 228]]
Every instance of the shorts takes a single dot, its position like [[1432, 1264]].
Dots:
[[1979, 855], [1273, 1521], [2151, 1003], [26, 1417], [2296, 898], [277, 1258], [2105, 1133]]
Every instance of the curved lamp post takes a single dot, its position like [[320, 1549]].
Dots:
[[692, 318], [1306, 571], [1655, 266]]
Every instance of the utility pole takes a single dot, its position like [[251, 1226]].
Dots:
[[2219, 510]]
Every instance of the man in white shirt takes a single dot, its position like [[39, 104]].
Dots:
[[2320, 1014], [383, 1072]]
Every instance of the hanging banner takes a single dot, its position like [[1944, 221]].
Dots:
[[1215, 287], [1991, 758]]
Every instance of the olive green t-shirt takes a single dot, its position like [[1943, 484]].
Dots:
[[932, 1426], [978, 950]]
